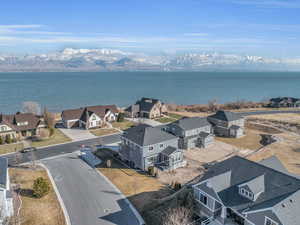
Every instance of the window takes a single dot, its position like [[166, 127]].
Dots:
[[246, 193], [203, 199], [94, 117], [161, 145], [150, 148], [3, 128], [22, 123], [268, 221]]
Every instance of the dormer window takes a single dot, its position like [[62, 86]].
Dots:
[[246, 193], [150, 148], [269, 221], [94, 117]]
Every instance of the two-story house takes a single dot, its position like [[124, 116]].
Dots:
[[144, 146], [89, 117], [20, 125], [6, 200], [227, 124], [147, 108], [192, 132], [242, 192]]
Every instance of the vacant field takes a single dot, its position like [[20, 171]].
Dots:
[[281, 117], [251, 140], [165, 119], [7, 148], [189, 114], [103, 131], [44, 211], [287, 150], [140, 189], [57, 138], [123, 125], [264, 109]]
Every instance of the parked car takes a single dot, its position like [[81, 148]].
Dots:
[[30, 149]]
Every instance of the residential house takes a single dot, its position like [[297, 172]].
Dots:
[[89, 117], [146, 107], [20, 125], [192, 132], [228, 124], [6, 200], [284, 102], [242, 192], [144, 146]]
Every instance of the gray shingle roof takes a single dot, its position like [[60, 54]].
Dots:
[[169, 150], [145, 135], [226, 116], [3, 171], [274, 163], [277, 185], [146, 104], [190, 123]]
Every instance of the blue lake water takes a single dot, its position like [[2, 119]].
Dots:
[[59, 91]]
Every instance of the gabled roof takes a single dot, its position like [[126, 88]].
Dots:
[[145, 135], [146, 104], [33, 121], [190, 123], [284, 100], [81, 113], [226, 116], [3, 172], [276, 184]]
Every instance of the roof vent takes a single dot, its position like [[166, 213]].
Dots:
[[283, 205], [208, 184]]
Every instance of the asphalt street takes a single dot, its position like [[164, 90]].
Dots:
[[88, 197], [61, 149]]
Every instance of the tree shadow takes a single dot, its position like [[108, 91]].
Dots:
[[25, 192]]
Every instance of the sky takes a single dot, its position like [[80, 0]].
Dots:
[[269, 28]]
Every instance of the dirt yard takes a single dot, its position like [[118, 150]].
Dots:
[[44, 211], [251, 140], [141, 189]]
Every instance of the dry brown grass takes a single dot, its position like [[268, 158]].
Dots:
[[57, 138], [287, 150], [251, 140], [7, 148], [281, 117], [103, 131], [190, 114], [123, 125], [140, 188], [44, 211]]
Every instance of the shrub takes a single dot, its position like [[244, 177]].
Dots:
[[1, 140], [121, 117], [152, 171], [51, 131], [177, 186], [41, 187], [8, 139]]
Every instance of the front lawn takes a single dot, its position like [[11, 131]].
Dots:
[[57, 138], [35, 211], [103, 131], [140, 188], [165, 119], [123, 125], [7, 148], [175, 116]]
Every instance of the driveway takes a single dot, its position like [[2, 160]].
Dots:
[[89, 198], [150, 122], [77, 134]]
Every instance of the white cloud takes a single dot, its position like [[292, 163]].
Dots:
[[24, 26], [195, 34]]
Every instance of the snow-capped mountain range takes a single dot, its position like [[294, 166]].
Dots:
[[115, 60]]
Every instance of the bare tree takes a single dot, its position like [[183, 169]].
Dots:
[[213, 105], [49, 118], [178, 216], [31, 107]]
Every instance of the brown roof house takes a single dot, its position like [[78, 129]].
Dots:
[[20, 125], [146, 107], [89, 117]]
